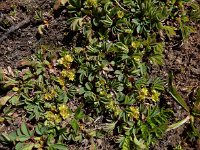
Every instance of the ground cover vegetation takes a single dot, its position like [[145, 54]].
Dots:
[[101, 87]]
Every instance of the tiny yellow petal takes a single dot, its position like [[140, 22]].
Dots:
[[155, 95], [134, 112], [15, 89], [68, 58], [120, 14]]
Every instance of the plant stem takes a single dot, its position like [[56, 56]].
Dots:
[[121, 6], [178, 124]]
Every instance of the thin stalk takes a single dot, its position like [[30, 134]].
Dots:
[[178, 124], [121, 6]]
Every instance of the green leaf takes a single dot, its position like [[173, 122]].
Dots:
[[88, 86], [158, 84], [156, 59], [63, 2], [38, 129], [74, 125], [138, 29], [75, 3], [123, 47], [13, 135], [108, 22], [90, 77], [178, 124], [109, 126], [14, 100], [24, 129], [81, 90], [28, 146], [76, 23], [196, 105], [139, 143], [126, 143], [41, 29], [22, 138], [176, 95], [19, 146], [5, 138], [79, 113], [170, 31], [3, 100], [58, 146], [19, 133]]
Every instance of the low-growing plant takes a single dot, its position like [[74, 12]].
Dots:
[[102, 87], [63, 94]]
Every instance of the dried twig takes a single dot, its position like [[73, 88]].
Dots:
[[14, 28]]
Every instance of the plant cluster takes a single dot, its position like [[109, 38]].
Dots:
[[101, 87]]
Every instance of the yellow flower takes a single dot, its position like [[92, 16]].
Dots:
[[92, 3], [50, 116], [61, 81], [135, 44], [143, 94], [68, 58], [120, 14], [102, 93], [102, 81], [57, 118], [15, 89], [47, 96], [53, 108], [1, 119], [134, 112], [61, 61], [51, 95], [117, 110], [53, 118], [111, 105], [64, 73], [70, 75], [62, 107], [137, 58], [155, 95], [64, 111], [129, 31]]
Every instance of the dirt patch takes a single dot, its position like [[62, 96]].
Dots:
[[183, 61], [26, 40]]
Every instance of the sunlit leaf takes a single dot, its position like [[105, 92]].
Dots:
[[74, 125], [122, 47], [178, 124], [28, 146], [24, 129], [58, 146], [3, 100], [63, 2], [176, 95]]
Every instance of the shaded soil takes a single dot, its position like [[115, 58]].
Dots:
[[26, 40], [183, 60]]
